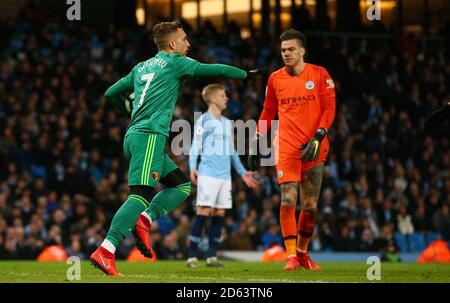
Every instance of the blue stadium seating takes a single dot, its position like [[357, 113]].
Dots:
[[417, 242], [432, 236], [401, 241]]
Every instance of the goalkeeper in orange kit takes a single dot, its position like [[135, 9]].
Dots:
[[304, 97]]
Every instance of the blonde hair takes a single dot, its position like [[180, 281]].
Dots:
[[210, 89]]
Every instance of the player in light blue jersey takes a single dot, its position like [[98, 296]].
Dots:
[[213, 144]]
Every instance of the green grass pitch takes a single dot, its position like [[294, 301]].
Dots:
[[233, 272]]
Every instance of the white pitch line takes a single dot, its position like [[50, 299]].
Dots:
[[173, 276]]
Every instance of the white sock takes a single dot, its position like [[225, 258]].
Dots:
[[147, 216], [106, 244]]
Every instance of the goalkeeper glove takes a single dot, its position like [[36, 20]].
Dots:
[[128, 100], [311, 150], [253, 158], [254, 72]]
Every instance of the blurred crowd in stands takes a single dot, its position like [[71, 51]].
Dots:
[[63, 173]]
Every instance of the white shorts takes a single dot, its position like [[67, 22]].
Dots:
[[213, 192]]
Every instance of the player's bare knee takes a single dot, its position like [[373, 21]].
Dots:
[[216, 212], [288, 198], [288, 202], [310, 204], [204, 211], [289, 193]]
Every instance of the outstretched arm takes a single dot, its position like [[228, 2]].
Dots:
[[222, 70]]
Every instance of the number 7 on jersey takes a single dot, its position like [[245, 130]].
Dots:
[[148, 78]]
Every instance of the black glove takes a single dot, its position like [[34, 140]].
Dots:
[[311, 150], [253, 158], [254, 72]]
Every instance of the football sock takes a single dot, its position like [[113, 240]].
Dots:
[[124, 220], [306, 224], [147, 216], [288, 228], [215, 231], [167, 200], [196, 235], [106, 244]]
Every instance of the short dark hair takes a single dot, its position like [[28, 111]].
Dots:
[[294, 34], [162, 30]]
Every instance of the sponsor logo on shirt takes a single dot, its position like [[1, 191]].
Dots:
[[297, 101]]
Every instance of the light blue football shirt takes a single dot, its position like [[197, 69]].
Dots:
[[213, 144]]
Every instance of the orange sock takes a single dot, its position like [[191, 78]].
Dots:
[[306, 224], [288, 228]]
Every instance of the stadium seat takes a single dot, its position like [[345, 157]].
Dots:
[[39, 171], [431, 236], [222, 54], [401, 241], [417, 242], [166, 225]]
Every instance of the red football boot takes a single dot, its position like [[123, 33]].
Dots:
[[292, 263], [141, 233], [306, 262], [105, 261]]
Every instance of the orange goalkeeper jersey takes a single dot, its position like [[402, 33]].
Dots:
[[304, 103]]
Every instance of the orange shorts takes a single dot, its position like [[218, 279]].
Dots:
[[290, 169]]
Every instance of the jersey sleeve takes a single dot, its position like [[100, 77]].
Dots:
[[327, 98], [185, 66], [196, 146], [270, 108], [237, 164], [123, 86], [115, 92], [222, 70]]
